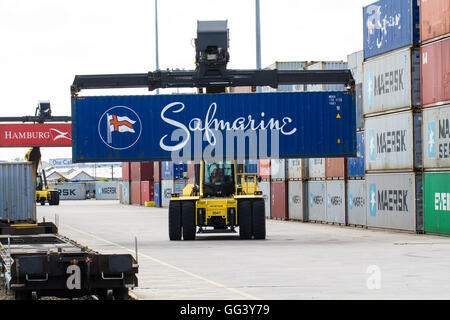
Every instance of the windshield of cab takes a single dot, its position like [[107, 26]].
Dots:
[[218, 173]]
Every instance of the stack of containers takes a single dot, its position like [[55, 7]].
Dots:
[[125, 184], [296, 189], [264, 184], [391, 107], [335, 173], [141, 172], [279, 195], [287, 65], [157, 183], [326, 65], [173, 180], [356, 183], [435, 53], [316, 187]]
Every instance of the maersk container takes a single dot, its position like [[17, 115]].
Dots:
[[72, 190], [335, 211], [157, 190], [327, 65], [316, 168], [437, 203], [296, 199], [392, 82], [17, 192], [264, 169], [170, 186], [264, 187], [390, 25], [106, 190], [355, 65], [393, 142], [297, 169], [356, 203], [279, 207], [126, 195], [316, 201], [436, 73], [434, 19], [355, 166], [278, 169], [395, 201], [436, 135]]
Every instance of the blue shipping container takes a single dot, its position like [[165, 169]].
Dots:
[[390, 25], [173, 170], [251, 166], [157, 194], [167, 127], [356, 165]]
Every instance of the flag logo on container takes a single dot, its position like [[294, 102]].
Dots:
[[369, 88], [431, 140], [119, 127], [372, 146], [373, 200]]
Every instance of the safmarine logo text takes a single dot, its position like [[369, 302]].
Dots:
[[119, 127]]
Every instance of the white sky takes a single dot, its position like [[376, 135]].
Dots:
[[45, 43]]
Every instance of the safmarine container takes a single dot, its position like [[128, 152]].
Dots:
[[436, 135], [296, 169], [437, 202], [327, 65], [147, 191], [316, 201], [157, 191], [335, 168], [278, 169], [316, 168], [355, 166], [264, 169], [135, 192], [356, 202], [434, 19], [126, 171], [107, 190], [296, 199], [17, 192], [279, 208], [142, 171], [390, 25], [157, 171], [126, 195], [264, 187], [435, 73], [355, 64], [71, 190], [393, 142], [394, 201], [335, 212], [392, 82]]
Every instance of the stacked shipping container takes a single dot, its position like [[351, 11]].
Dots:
[[124, 187], [173, 180]]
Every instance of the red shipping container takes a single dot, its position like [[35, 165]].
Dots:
[[191, 171], [126, 171], [147, 191], [335, 168], [434, 19], [121, 192], [264, 169], [135, 192], [36, 135], [141, 171], [435, 79], [157, 171], [279, 195]]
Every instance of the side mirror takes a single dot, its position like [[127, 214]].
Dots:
[[258, 179]]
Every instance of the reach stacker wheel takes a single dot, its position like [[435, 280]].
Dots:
[[259, 219], [188, 216], [245, 219], [175, 220]]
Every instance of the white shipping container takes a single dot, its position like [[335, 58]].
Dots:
[[316, 201], [327, 65], [278, 169], [356, 202], [107, 190], [296, 169], [264, 187], [296, 200], [71, 190], [335, 201], [316, 168], [436, 135], [355, 64]]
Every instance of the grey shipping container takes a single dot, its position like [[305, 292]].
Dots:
[[392, 82], [316, 201], [296, 199], [296, 169], [436, 135], [17, 192], [355, 65], [71, 191], [278, 169], [356, 202], [316, 168], [359, 106], [286, 65], [169, 186], [393, 142], [126, 192], [335, 201], [107, 190], [327, 65], [394, 201], [264, 186]]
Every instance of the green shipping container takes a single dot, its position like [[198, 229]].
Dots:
[[437, 203]]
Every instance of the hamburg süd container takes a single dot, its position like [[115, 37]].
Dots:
[[393, 142], [106, 190], [436, 135], [356, 202], [296, 199], [264, 186], [355, 65], [327, 65], [17, 192], [264, 169], [157, 192], [316, 168], [278, 169], [392, 82], [436, 73], [316, 201], [390, 25], [335, 212], [437, 203], [296, 169], [279, 196], [126, 171], [394, 201], [434, 19], [135, 192], [147, 191], [126, 194], [72, 190], [355, 166], [142, 171], [335, 168]]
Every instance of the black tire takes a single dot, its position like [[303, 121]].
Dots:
[[23, 295], [245, 219], [43, 202], [175, 220], [259, 219], [121, 294], [188, 218], [54, 198]]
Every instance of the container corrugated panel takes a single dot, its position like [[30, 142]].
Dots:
[[167, 188], [355, 166], [355, 65], [126, 171], [434, 19], [359, 97], [316, 201], [335, 201], [394, 142], [157, 192], [264, 169], [356, 202], [264, 187], [278, 169], [147, 191], [335, 168], [142, 171], [17, 192], [191, 172], [279, 208], [107, 190], [390, 25], [297, 168], [436, 73], [72, 190], [392, 82], [394, 201], [167, 170], [296, 199], [436, 135], [157, 171], [251, 166], [126, 195], [316, 168], [135, 192], [121, 192], [327, 65], [437, 203]]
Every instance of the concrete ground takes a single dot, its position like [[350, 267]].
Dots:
[[296, 261]]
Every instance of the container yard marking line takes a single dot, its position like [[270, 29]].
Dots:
[[217, 284]]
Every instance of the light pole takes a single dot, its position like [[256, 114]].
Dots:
[[156, 39], [258, 40]]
